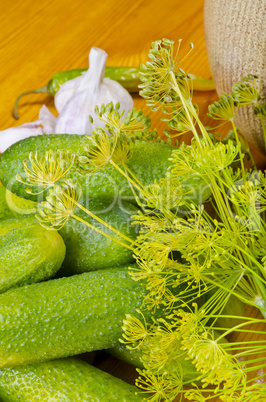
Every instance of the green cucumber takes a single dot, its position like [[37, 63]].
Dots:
[[67, 316], [65, 380], [17, 222], [149, 162], [28, 254], [88, 250], [5, 211], [19, 205]]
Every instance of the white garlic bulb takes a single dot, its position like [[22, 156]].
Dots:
[[76, 99]]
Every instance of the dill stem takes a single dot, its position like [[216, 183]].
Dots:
[[219, 201], [215, 283], [240, 154], [101, 232], [262, 289], [132, 175], [104, 223], [263, 128], [237, 327], [141, 190], [176, 87]]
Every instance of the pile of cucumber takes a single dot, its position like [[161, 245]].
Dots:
[[65, 293]]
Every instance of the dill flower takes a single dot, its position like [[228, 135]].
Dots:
[[135, 331], [161, 387], [116, 123], [59, 205], [98, 152], [159, 75], [45, 171], [224, 108], [246, 92]]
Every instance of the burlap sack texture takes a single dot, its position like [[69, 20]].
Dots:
[[235, 35]]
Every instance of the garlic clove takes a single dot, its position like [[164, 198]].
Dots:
[[47, 120], [65, 92], [74, 117], [14, 134]]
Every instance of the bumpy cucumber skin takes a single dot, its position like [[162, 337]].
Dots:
[[19, 205], [65, 317], [28, 255], [5, 212], [149, 162], [17, 222], [65, 380], [88, 250]]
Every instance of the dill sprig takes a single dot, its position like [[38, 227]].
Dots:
[[194, 260]]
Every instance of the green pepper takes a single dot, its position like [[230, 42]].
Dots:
[[128, 77]]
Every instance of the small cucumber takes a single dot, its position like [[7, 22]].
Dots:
[[5, 211], [149, 162], [67, 316], [88, 250], [17, 222], [28, 254], [19, 205], [65, 380]]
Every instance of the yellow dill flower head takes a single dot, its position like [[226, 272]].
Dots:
[[159, 76], [135, 332], [115, 122], [99, 152], [246, 91], [224, 108], [211, 359], [59, 205], [215, 158], [45, 171], [160, 387], [165, 195]]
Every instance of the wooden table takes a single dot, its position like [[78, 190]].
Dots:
[[39, 38]]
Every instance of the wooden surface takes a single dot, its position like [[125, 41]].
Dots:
[[39, 38]]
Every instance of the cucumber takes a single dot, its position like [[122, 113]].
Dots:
[[65, 380], [88, 250], [19, 205], [149, 162], [17, 222], [5, 212], [28, 254], [67, 316]]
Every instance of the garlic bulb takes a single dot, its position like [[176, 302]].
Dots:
[[76, 99]]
